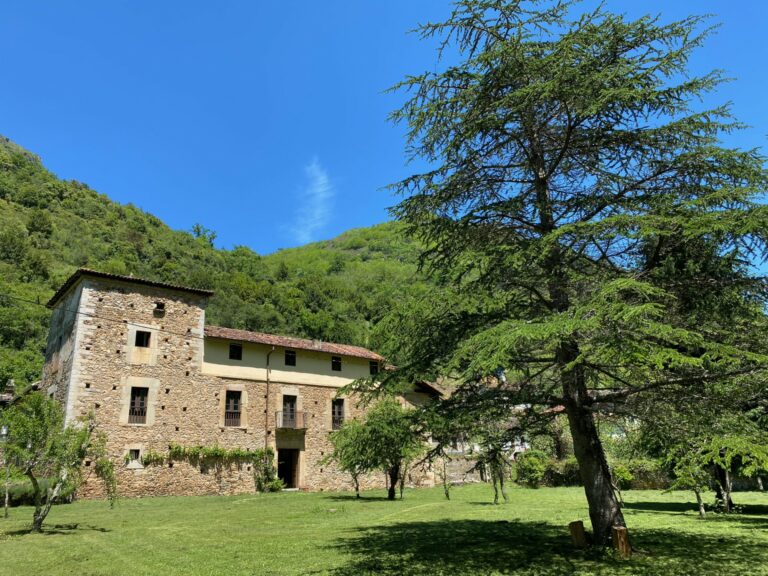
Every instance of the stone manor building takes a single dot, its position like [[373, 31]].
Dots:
[[138, 355]]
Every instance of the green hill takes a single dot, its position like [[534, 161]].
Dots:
[[333, 290]]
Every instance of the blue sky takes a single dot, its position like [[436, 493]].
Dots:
[[264, 121]]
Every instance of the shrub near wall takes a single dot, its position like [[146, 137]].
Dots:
[[646, 475], [635, 474], [20, 493], [562, 472], [530, 468]]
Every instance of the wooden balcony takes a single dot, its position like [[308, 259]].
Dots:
[[289, 420]]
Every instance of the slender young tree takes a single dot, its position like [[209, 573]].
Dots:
[[40, 446], [558, 149], [385, 439], [351, 452]]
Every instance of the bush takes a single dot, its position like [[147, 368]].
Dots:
[[265, 476], [647, 475], [562, 473], [640, 474], [20, 493], [622, 476], [13, 243], [531, 467]]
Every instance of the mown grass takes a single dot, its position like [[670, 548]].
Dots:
[[332, 533]]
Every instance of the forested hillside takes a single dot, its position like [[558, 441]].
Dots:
[[333, 290]]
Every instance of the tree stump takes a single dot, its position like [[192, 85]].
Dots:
[[621, 541], [578, 535]]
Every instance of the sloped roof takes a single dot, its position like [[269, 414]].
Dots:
[[290, 342], [221, 332], [80, 272], [432, 388]]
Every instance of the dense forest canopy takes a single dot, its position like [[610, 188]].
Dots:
[[332, 290]]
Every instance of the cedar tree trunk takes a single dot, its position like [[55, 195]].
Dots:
[[604, 508]]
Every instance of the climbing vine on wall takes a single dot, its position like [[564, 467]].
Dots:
[[264, 473]]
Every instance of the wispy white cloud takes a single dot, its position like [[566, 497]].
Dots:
[[315, 199]]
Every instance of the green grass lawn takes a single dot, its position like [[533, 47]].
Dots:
[[332, 533]]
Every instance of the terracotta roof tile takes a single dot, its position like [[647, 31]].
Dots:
[[290, 342]]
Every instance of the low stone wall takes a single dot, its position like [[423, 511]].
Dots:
[[460, 470]]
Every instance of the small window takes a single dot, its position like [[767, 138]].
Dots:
[[336, 363], [142, 338], [374, 367], [137, 411], [233, 408], [160, 306], [134, 455], [290, 357], [289, 404], [235, 351], [337, 413]]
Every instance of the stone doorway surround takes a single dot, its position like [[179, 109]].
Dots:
[[290, 444]]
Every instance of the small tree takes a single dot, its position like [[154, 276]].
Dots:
[[493, 447], [40, 446], [724, 452], [689, 472], [350, 451], [385, 440], [392, 441]]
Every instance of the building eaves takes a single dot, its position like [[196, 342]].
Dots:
[[291, 342], [86, 272]]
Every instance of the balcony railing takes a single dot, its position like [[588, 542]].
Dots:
[[292, 420], [231, 418], [137, 415], [336, 422]]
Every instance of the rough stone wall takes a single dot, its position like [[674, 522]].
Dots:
[[185, 406], [60, 348], [460, 469]]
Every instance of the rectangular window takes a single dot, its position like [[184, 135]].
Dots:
[[134, 455], [289, 412], [235, 351], [336, 363], [289, 404], [233, 407], [137, 411], [374, 366], [337, 413], [290, 357], [142, 338]]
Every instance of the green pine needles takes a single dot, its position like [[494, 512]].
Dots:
[[590, 231]]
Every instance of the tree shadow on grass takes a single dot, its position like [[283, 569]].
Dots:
[[455, 547], [676, 507], [682, 507], [485, 547], [53, 529], [353, 498]]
